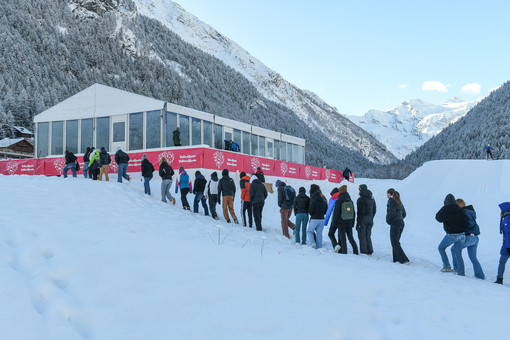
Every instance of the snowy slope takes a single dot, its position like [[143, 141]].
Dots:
[[408, 126], [83, 259], [307, 105]]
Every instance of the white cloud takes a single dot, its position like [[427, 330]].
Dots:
[[403, 86], [433, 85], [472, 88]]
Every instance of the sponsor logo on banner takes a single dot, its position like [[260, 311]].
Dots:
[[328, 174], [59, 164], [284, 168], [113, 166], [168, 155], [12, 167], [255, 163], [219, 158], [27, 167], [308, 172]]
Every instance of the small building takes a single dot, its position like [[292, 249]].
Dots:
[[102, 116], [16, 148], [21, 132]]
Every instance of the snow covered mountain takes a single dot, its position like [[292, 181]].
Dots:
[[408, 126]]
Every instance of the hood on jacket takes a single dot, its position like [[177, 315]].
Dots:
[[200, 176], [449, 199], [253, 178], [280, 183], [118, 149], [302, 190], [505, 207], [246, 178], [224, 172], [214, 176], [335, 195], [469, 207], [183, 172], [181, 169], [103, 150], [334, 191], [368, 193]]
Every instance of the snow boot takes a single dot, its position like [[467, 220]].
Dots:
[[236, 221], [337, 248], [446, 270], [173, 201], [499, 281]]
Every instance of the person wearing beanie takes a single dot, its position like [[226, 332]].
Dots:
[[504, 228], [94, 164], [244, 184], [285, 203], [258, 194], [212, 194], [331, 205], [183, 183], [317, 210], [104, 161], [343, 219], [122, 160], [301, 206], [198, 190], [227, 191], [147, 170], [366, 208], [260, 175]]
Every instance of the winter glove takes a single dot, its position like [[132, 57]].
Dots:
[[508, 251]]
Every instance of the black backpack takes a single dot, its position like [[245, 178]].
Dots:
[[290, 194]]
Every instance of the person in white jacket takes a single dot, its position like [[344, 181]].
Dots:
[[212, 194]]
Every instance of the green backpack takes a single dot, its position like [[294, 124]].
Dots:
[[347, 210]]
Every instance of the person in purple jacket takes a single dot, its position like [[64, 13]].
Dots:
[[504, 228]]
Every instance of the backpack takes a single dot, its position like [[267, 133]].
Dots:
[[290, 194], [347, 210]]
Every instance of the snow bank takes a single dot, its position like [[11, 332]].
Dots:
[[101, 260]]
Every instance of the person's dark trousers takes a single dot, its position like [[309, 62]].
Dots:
[[398, 252], [257, 214], [246, 206], [184, 199], [365, 238], [344, 231], [199, 197], [95, 173], [331, 234], [213, 200]]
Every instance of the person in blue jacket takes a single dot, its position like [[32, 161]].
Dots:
[[184, 184], [488, 149], [333, 228], [471, 242], [504, 228]]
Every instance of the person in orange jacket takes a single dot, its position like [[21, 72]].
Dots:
[[245, 199]]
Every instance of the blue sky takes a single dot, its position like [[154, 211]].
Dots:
[[362, 55]]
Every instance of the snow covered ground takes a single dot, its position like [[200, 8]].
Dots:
[[96, 260]]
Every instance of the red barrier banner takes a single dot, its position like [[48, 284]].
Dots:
[[251, 163], [21, 167], [333, 176], [312, 173], [219, 160], [285, 169]]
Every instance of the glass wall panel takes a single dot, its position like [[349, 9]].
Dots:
[[276, 149], [184, 128], [254, 145], [295, 153], [72, 136], [289, 152], [43, 139], [87, 134], [237, 138], [218, 136], [171, 125], [269, 152], [262, 146], [283, 151], [196, 131], [246, 142], [136, 131], [103, 133], [119, 132], [208, 133], [301, 154], [153, 129], [57, 138]]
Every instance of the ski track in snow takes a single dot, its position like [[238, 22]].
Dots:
[[97, 260]]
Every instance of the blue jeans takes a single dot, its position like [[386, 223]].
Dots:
[[199, 197], [122, 172], [458, 242], [146, 185], [71, 166], [85, 169], [502, 263], [315, 225], [471, 243], [301, 222]]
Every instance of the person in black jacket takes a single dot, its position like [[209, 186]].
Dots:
[[122, 160], [198, 190], [455, 223], [395, 214], [260, 175], [86, 160], [317, 210], [258, 194], [70, 163], [343, 224], [104, 162], [301, 207], [227, 191], [147, 170], [366, 211], [346, 174], [166, 172]]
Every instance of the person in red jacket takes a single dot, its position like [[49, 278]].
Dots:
[[244, 184]]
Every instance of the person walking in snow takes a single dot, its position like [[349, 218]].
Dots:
[[471, 242], [317, 210], [333, 227], [488, 149], [166, 172], [504, 228], [199, 190], [122, 160], [177, 137], [258, 194], [227, 192], [286, 198], [343, 219], [94, 164], [212, 194], [184, 184], [147, 173], [455, 223], [346, 174], [104, 161], [301, 207], [86, 160], [244, 184], [260, 175], [395, 214], [70, 160], [366, 208]]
